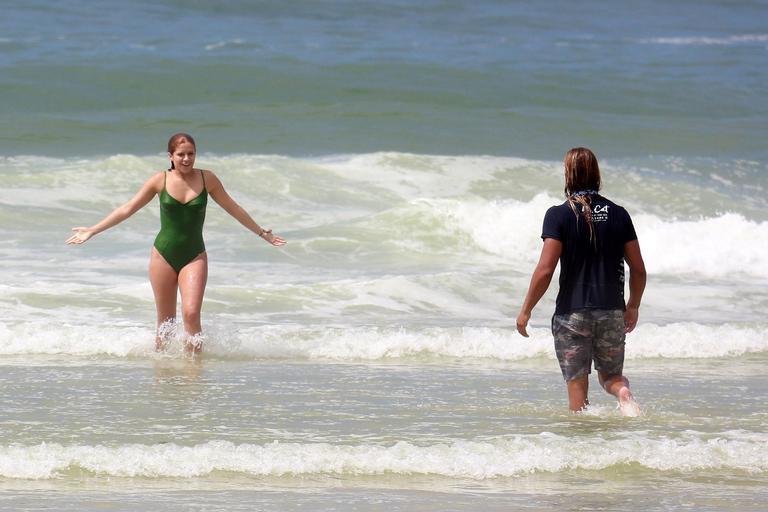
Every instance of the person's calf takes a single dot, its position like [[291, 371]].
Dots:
[[578, 389], [618, 386]]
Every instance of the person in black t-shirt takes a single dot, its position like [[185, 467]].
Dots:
[[591, 237]]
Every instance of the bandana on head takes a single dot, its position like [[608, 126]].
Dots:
[[584, 193]]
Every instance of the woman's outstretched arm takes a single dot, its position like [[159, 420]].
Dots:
[[217, 192], [152, 186]]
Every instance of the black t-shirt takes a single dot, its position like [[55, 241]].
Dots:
[[591, 271]]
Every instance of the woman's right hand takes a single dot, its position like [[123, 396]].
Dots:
[[81, 235], [275, 240]]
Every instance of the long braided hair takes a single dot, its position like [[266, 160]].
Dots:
[[582, 183]]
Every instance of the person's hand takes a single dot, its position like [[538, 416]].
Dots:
[[522, 323], [630, 319], [80, 237], [271, 238]]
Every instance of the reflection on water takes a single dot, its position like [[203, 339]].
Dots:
[[178, 371]]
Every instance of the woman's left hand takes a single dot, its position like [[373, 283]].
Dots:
[[271, 238]]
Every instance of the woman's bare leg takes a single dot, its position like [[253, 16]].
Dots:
[[165, 285], [192, 280]]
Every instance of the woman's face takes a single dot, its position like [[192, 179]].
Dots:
[[183, 157]]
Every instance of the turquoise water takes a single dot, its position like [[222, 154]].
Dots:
[[408, 152], [314, 78]]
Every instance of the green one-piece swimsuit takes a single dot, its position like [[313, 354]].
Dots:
[[180, 239]]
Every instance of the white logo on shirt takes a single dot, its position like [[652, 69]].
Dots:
[[600, 213]]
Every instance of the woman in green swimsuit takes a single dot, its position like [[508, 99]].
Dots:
[[178, 261]]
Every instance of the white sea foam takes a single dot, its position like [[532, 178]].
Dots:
[[508, 457], [690, 340], [681, 340], [708, 40], [674, 341], [414, 176], [53, 338], [510, 228], [237, 42], [723, 246]]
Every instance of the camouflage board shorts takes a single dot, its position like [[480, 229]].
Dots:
[[586, 335]]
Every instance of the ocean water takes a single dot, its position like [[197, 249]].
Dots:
[[407, 151]]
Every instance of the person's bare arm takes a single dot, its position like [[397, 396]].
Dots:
[[542, 276], [223, 199], [150, 188], [637, 278]]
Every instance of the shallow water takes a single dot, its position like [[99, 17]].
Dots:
[[356, 435], [372, 361]]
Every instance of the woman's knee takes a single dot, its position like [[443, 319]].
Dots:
[[191, 316]]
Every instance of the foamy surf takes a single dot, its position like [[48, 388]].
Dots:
[[399, 203], [476, 460], [708, 40], [717, 247], [672, 341]]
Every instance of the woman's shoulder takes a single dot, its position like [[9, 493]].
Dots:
[[157, 180], [211, 180]]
